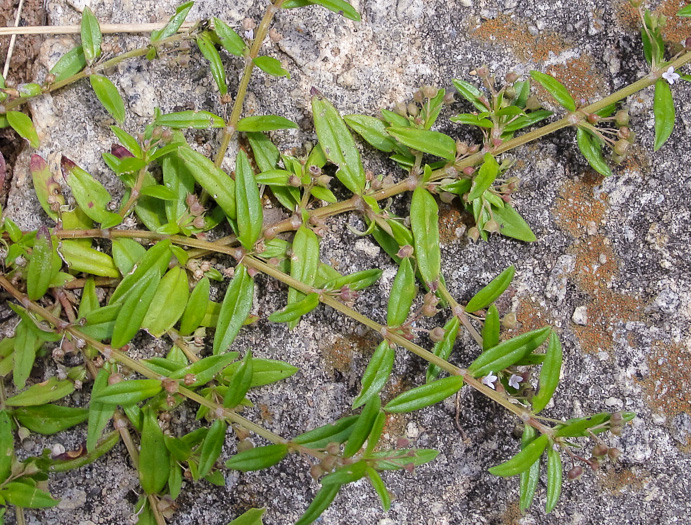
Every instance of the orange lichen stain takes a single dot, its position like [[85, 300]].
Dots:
[[512, 515], [505, 30], [676, 30], [580, 211], [581, 77], [265, 412], [450, 219], [620, 482], [530, 316], [339, 354], [666, 387]]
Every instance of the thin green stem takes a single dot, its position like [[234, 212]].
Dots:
[[231, 124], [459, 312]]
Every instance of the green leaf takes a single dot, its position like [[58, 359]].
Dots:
[[340, 7], [236, 306], [42, 267], [239, 383], [69, 64], [584, 426], [444, 347], [472, 120], [549, 374], [42, 393], [6, 446], [555, 88], [320, 437], [398, 459], [212, 446], [258, 458], [206, 46], [492, 291], [265, 153], [173, 24], [251, 517], [100, 322], [190, 119], [134, 308], [512, 224], [91, 36], [491, 328], [319, 504], [46, 187], [81, 258], [205, 369], [402, 295], [50, 419], [508, 353], [424, 222], [214, 180], [304, 262], [530, 477], [337, 144], [154, 457], [27, 496], [128, 141], [26, 343], [91, 196], [265, 123], [296, 310], [270, 65], [526, 120], [372, 130], [591, 148], [157, 257], [485, 177], [379, 487], [196, 307], [554, 475], [22, 124], [99, 413], [129, 392], [363, 426], [345, 474], [426, 141], [158, 192], [126, 254], [168, 303], [684, 11], [663, 107], [523, 460], [250, 215], [230, 40], [425, 395], [109, 96], [376, 374], [355, 281], [470, 93]]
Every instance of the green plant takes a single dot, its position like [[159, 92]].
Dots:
[[152, 286]]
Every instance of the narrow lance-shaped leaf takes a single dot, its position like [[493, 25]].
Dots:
[[206, 46], [90, 194], [27, 496], [134, 308], [154, 459], [190, 119], [555, 88], [158, 256], [50, 419], [530, 477], [230, 40], [425, 395], [99, 413], [470, 93], [485, 177], [337, 432], [271, 65], [508, 353], [265, 123], [168, 303], [424, 222], [554, 477], [109, 96], [338, 144], [214, 180], [212, 446], [251, 517], [46, 187], [376, 374], [239, 383], [549, 374], [41, 267], [444, 347], [6, 446], [127, 393], [512, 224], [340, 7], [372, 130], [69, 64], [173, 24], [591, 148], [663, 107], [378, 485], [26, 343], [523, 460], [236, 306], [296, 310], [81, 258], [319, 504], [91, 36], [250, 215], [205, 369], [426, 141], [257, 458], [492, 291], [196, 307], [22, 124], [363, 426], [41, 393], [304, 263], [402, 294]]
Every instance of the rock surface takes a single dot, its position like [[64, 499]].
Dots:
[[617, 247]]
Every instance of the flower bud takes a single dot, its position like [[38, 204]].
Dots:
[[473, 234], [413, 110], [510, 93], [405, 251], [575, 473], [511, 77], [624, 132], [400, 108], [687, 43], [449, 97], [593, 118], [429, 310], [113, 379], [244, 445], [324, 180], [446, 197], [461, 148], [621, 118], [418, 96], [532, 103], [482, 72], [316, 472], [621, 146], [613, 453], [509, 321], [594, 464], [294, 181], [436, 334], [430, 91], [600, 450], [491, 226]]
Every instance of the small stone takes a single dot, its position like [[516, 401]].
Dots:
[[79, 5], [580, 316], [466, 3], [412, 430], [591, 228], [603, 258], [510, 4]]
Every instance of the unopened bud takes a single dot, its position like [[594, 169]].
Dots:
[[613, 453], [115, 378], [446, 197], [400, 108], [510, 93], [482, 71], [473, 234], [199, 222], [461, 148], [594, 464], [429, 310], [600, 450], [190, 379], [623, 133], [294, 181], [437, 334], [316, 472], [509, 321], [429, 91], [413, 109], [275, 36], [449, 97], [621, 146], [491, 226], [575, 473], [621, 118], [244, 445], [511, 77], [532, 103], [418, 96], [687, 43], [405, 251], [593, 118]]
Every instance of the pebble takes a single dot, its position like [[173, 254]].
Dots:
[[466, 3], [580, 316]]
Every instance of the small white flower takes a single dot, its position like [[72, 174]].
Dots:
[[249, 34], [670, 76], [515, 381], [489, 380]]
